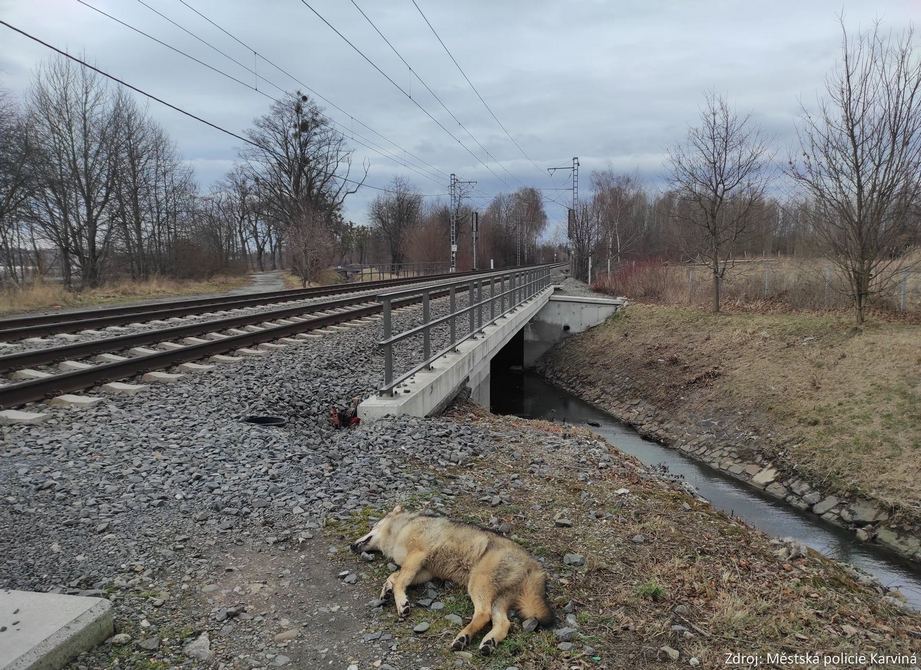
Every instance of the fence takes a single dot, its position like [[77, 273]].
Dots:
[[504, 292], [380, 271]]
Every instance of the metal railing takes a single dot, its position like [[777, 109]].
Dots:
[[505, 291], [371, 271]]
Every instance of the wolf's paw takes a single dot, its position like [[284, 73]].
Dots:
[[459, 642], [387, 591], [403, 609], [487, 647]]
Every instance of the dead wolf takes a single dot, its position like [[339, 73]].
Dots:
[[499, 574]]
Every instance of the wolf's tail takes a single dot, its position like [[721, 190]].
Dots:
[[532, 601]]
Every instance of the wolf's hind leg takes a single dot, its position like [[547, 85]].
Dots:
[[500, 626], [406, 575], [481, 593]]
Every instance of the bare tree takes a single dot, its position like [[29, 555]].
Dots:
[[301, 165], [77, 130], [721, 172], [395, 214], [17, 181], [618, 198], [584, 233], [861, 160]]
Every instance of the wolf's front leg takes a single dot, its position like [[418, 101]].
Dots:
[[387, 590], [402, 578]]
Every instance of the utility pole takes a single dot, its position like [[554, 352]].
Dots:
[[456, 196]]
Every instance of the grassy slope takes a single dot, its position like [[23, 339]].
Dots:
[[845, 405], [50, 296], [695, 568]]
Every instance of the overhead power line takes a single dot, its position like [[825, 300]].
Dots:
[[429, 89], [347, 133], [313, 91], [176, 108], [470, 83], [401, 89]]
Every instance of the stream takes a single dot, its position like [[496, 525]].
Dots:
[[529, 395]]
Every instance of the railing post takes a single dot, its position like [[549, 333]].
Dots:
[[479, 299], [470, 301], [388, 347], [492, 299], [426, 335], [453, 320]]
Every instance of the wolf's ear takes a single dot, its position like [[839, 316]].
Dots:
[[397, 509]]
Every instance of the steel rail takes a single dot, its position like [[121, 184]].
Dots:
[[21, 393], [77, 350], [50, 324]]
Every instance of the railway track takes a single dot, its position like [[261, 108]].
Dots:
[[19, 328], [212, 339]]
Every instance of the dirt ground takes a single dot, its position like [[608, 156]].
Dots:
[[641, 575]]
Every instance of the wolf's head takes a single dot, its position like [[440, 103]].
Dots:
[[383, 532]]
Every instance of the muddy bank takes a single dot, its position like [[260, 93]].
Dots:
[[649, 379]]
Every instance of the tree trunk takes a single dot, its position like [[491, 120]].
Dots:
[[716, 293]]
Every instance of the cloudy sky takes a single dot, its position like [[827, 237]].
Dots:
[[614, 82]]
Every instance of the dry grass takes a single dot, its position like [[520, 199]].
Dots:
[[697, 568], [845, 405], [769, 284], [41, 296], [327, 278]]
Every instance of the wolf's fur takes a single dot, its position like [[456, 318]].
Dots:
[[499, 574]]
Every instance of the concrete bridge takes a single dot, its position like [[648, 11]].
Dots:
[[517, 336]]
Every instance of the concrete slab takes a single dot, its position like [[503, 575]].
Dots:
[[142, 351], [223, 358], [12, 417], [289, 340], [161, 377], [34, 340], [44, 631], [29, 374], [194, 340], [90, 331], [70, 337], [252, 352], [271, 346], [216, 336], [308, 336], [253, 329], [111, 358], [74, 366], [235, 331], [75, 401], [194, 367], [122, 388], [171, 346]]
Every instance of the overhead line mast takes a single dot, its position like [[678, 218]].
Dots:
[[456, 193]]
